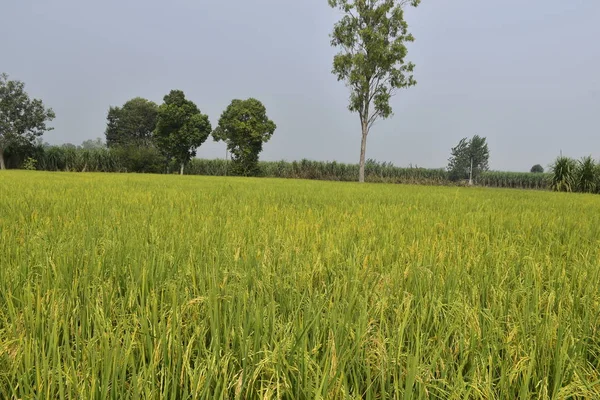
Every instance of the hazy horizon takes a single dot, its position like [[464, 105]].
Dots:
[[522, 74]]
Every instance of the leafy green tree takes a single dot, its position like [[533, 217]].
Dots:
[[372, 36], [180, 128], [244, 126], [131, 124], [469, 158], [22, 119], [537, 169]]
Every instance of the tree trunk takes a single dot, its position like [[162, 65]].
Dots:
[[181, 170], [363, 150], [471, 173], [2, 165]]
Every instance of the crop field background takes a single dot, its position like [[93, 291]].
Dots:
[[133, 286]]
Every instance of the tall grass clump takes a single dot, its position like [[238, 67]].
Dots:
[[564, 175], [125, 286], [585, 175]]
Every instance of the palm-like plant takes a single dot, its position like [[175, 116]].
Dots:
[[564, 174], [586, 175]]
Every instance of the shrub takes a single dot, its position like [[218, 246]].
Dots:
[[144, 159]]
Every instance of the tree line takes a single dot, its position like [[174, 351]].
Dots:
[[171, 133], [144, 136], [141, 136]]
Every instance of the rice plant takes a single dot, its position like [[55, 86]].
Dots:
[[124, 286]]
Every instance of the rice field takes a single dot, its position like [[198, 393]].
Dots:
[[122, 286]]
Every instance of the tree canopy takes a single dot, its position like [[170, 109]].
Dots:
[[372, 37], [537, 169], [131, 124], [22, 119], [469, 158], [180, 128], [244, 126]]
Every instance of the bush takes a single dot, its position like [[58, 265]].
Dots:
[[144, 159], [30, 164]]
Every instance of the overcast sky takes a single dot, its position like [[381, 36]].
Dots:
[[523, 73]]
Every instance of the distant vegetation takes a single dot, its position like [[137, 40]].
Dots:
[[570, 175], [537, 169], [144, 137], [470, 158], [149, 160]]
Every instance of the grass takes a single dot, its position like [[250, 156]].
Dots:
[[129, 286]]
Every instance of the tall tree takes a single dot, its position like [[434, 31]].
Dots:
[[180, 128], [244, 126], [131, 124], [22, 119], [469, 158], [372, 36]]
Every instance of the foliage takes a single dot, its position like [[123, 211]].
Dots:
[[333, 171], [537, 169], [372, 37], [131, 124], [180, 129], [30, 164], [15, 156], [564, 177], [514, 180], [585, 175], [58, 158], [128, 286], [469, 159], [244, 126], [22, 119], [150, 160], [142, 159]]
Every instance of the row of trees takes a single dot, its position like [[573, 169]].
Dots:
[[145, 136], [173, 131]]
